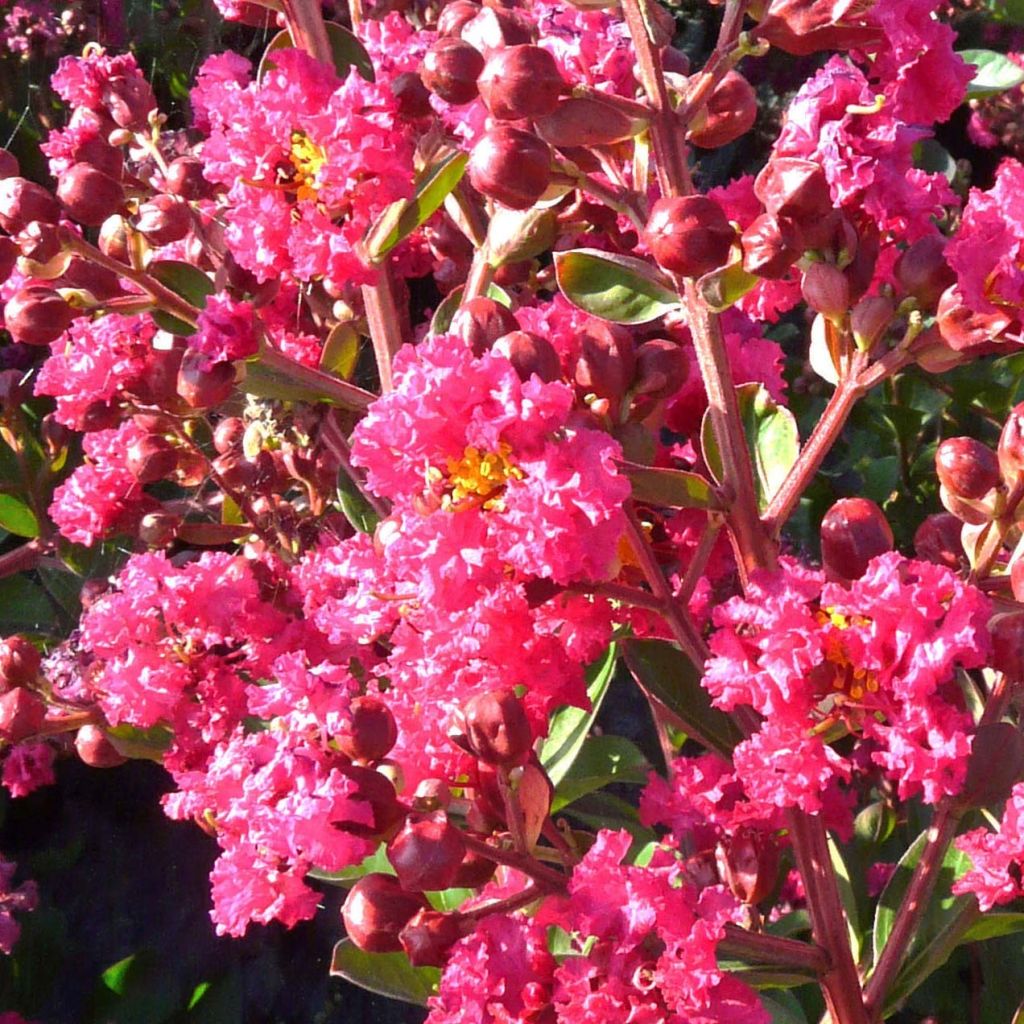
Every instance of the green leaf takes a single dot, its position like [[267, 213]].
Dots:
[[605, 810], [665, 674], [670, 488], [784, 1008], [569, 726], [772, 438], [993, 926], [622, 289], [442, 318], [16, 517], [354, 504], [185, 280], [847, 898], [602, 760], [387, 974], [994, 73], [346, 49], [220, 1001], [721, 289], [340, 353], [376, 864], [24, 607], [402, 218], [449, 899], [137, 990], [141, 744]]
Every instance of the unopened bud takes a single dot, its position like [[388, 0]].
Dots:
[[158, 530], [481, 321], [450, 69], [9, 253], [411, 95], [431, 795], [426, 854], [429, 936], [455, 15], [662, 368], [923, 272], [202, 387], [23, 201], [730, 113], [530, 354], [1011, 446], [164, 219], [770, 248], [688, 235], [966, 468], [95, 749], [475, 871], [607, 361], [490, 30], [21, 714], [511, 166], [150, 458], [870, 319], [19, 663], [128, 99], [101, 155], [39, 242], [587, 121], [795, 190], [185, 178], [497, 730], [748, 862], [37, 315], [1008, 645], [371, 791], [825, 290], [371, 730], [938, 540], [521, 82], [89, 195], [853, 531], [375, 912]]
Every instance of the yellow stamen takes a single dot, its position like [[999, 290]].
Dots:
[[307, 158], [479, 478]]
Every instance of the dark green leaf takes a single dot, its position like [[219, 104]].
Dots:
[[16, 517], [784, 1008], [993, 73], [403, 217], [24, 607], [218, 1002], [387, 974], [664, 673], [622, 289], [601, 761], [185, 280], [569, 726], [772, 438], [670, 488], [605, 810]]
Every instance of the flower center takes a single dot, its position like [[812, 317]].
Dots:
[[479, 478], [306, 158], [850, 680]]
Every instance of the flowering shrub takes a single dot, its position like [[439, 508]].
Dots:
[[434, 385]]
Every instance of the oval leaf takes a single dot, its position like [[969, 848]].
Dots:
[[602, 760], [621, 289], [993, 73], [16, 517], [185, 280], [387, 974], [670, 488]]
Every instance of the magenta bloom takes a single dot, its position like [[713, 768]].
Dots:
[[996, 857], [227, 330]]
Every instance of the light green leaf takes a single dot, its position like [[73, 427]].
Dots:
[[669, 488], [354, 505], [16, 517], [569, 726], [622, 289], [602, 760], [721, 289], [387, 974], [847, 898], [993, 73]]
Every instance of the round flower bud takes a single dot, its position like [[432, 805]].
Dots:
[[185, 178], [39, 242], [966, 468], [164, 219], [228, 434], [662, 368], [607, 360], [870, 319], [89, 195], [748, 862], [19, 663], [429, 936], [731, 112], [371, 731], [475, 871], [937, 540], [22, 202], [1011, 446], [826, 290], [1008, 645], [113, 239], [450, 69], [202, 387], [688, 235], [794, 190], [996, 762], [158, 530], [151, 458], [511, 166], [520, 82], [100, 154], [456, 14], [411, 95], [427, 854], [128, 99], [9, 253], [21, 714], [586, 121], [853, 531], [8, 164], [481, 321], [37, 315], [530, 354], [95, 749], [375, 792], [770, 248], [375, 912], [490, 30], [923, 272], [496, 728]]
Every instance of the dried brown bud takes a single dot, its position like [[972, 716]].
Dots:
[[521, 82], [371, 731], [853, 531], [427, 854], [37, 315], [376, 911], [450, 69], [89, 195], [511, 166], [688, 235]]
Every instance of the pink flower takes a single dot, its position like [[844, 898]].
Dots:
[[227, 330], [996, 857], [27, 767]]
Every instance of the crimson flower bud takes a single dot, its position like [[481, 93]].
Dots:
[[450, 69], [586, 121], [375, 912], [938, 540], [662, 368], [607, 360], [95, 749], [870, 319], [429, 936], [21, 714], [1008, 645], [455, 15], [37, 315], [794, 190], [520, 82], [511, 166], [8, 164], [22, 202], [481, 321], [530, 354], [966, 468], [19, 663], [853, 531], [128, 99], [84, 274], [431, 795], [497, 730], [39, 242], [113, 239], [923, 272], [426, 854], [748, 862], [100, 154], [475, 870], [371, 731], [228, 434], [203, 388], [802, 27], [89, 195], [164, 219], [731, 112], [491, 30], [151, 458], [185, 178], [9, 253], [1011, 446], [997, 748], [375, 792], [158, 530], [411, 95], [826, 290], [770, 248], [688, 235]]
